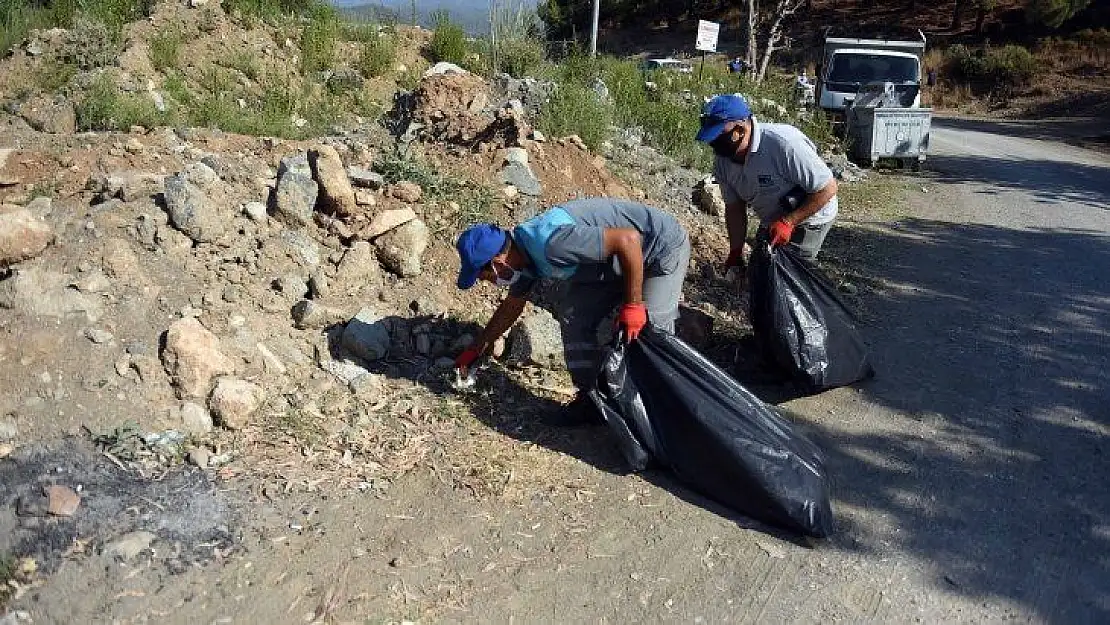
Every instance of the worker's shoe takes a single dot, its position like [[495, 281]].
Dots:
[[578, 413]]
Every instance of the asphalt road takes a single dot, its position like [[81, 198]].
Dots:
[[973, 471], [970, 476]]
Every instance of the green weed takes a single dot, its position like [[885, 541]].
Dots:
[[89, 44], [986, 70], [52, 75], [165, 50], [318, 39], [378, 55], [246, 63], [106, 107], [577, 110], [268, 10], [8, 572], [18, 17], [448, 41]]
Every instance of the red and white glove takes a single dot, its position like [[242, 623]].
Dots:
[[467, 358], [632, 319], [781, 231]]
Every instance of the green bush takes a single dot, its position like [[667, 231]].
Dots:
[[244, 62], [519, 57], [268, 10], [318, 39], [18, 17], [378, 55], [989, 70], [165, 50], [105, 107], [52, 75], [448, 41], [89, 44], [577, 110]]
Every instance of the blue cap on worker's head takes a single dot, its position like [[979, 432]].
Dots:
[[718, 112], [477, 246]]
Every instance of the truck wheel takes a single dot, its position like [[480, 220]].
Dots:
[[915, 166]]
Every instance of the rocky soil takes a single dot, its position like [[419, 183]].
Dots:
[[204, 333]]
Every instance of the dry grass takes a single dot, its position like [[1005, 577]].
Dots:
[[365, 446], [1066, 70]]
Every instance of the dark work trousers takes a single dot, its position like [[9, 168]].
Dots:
[[586, 312]]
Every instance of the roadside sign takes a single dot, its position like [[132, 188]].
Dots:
[[707, 36]]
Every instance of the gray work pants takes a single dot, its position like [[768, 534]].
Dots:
[[806, 241], [586, 312]]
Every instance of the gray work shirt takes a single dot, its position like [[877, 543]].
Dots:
[[781, 158], [582, 244]]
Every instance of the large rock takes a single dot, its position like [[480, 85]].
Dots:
[[22, 235], [707, 197], [7, 178], [300, 247], [335, 188], [196, 200], [126, 185], [36, 291], [366, 336], [401, 249], [46, 115], [308, 314], [537, 339], [298, 163], [361, 177], [233, 401], [521, 177], [408, 192], [358, 268], [295, 198], [192, 358], [194, 419], [385, 221]]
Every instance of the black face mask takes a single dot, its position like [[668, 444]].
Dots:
[[724, 145]]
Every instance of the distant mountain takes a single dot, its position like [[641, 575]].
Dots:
[[472, 15], [362, 11]]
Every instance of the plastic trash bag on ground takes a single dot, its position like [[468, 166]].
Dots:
[[801, 326], [667, 405]]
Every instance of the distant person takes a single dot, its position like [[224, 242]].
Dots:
[[759, 164], [616, 255], [737, 66]]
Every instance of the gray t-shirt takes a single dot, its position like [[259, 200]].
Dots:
[[781, 158], [581, 244]]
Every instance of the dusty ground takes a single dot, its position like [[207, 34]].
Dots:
[[966, 474]]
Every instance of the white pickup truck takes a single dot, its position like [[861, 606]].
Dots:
[[849, 63]]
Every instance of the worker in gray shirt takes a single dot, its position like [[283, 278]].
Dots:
[[758, 165], [614, 255]]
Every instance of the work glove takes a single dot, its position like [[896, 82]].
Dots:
[[780, 232], [632, 319], [467, 358]]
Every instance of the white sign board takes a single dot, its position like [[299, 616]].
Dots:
[[707, 36]]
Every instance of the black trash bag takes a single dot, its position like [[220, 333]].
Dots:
[[668, 405], [801, 326]]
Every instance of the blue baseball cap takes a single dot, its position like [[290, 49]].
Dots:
[[477, 246], [718, 112]]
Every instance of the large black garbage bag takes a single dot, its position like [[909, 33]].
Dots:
[[801, 326], [668, 405]]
